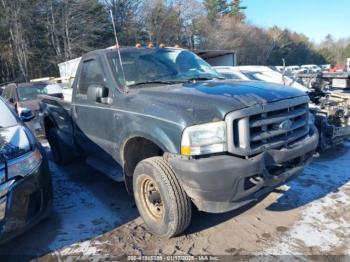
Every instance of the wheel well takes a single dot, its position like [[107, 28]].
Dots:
[[48, 124], [135, 150]]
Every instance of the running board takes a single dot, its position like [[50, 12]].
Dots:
[[114, 172]]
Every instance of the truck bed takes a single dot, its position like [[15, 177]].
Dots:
[[59, 112], [54, 101]]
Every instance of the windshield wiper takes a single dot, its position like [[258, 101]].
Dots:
[[154, 82], [203, 78]]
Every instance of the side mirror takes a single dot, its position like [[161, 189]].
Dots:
[[97, 92], [26, 115], [11, 101]]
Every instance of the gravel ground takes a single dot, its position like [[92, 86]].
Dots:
[[95, 215]]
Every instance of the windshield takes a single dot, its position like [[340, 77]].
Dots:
[[7, 119], [160, 65], [28, 93]]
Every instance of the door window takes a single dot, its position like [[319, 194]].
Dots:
[[91, 74]]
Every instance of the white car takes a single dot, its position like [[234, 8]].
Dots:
[[54, 90], [257, 73], [292, 69], [312, 68]]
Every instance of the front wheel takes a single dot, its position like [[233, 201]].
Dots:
[[160, 199]]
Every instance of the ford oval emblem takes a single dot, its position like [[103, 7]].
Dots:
[[286, 125]]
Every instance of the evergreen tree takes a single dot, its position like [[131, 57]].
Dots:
[[215, 8], [236, 10]]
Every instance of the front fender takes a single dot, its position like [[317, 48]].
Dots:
[[166, 137]]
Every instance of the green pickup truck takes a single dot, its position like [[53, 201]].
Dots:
[[179, 132]]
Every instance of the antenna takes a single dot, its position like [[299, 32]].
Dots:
[[284, 71], [118, 49]]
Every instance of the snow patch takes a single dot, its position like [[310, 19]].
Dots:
[[323, 191], [95, 215]]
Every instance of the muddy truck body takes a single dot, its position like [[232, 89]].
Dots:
[[179, 132]]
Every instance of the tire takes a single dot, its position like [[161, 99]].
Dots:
[[59, 157], [160, 199]]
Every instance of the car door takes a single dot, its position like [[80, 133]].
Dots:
[[94, 119]]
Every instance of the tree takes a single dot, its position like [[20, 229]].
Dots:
[[161, 22], [126, 15], [215, 8], [236, 10], [347, 51]]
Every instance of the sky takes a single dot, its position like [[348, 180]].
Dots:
[[314, 18]]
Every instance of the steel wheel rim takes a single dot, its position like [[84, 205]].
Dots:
[[151, 199]]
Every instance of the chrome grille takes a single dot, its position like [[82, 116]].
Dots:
[[274, 125]]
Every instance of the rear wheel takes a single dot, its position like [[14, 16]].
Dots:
[[160, 199], [56, 147]]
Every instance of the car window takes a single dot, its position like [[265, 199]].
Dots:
[[28, 93], [7, 93], [91, 74], [7, 119]]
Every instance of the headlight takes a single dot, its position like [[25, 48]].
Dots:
[[204, 139], [24, 165]]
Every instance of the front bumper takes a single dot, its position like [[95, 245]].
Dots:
[[25, 202], [222, 183]]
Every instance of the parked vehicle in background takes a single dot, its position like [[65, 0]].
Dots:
[[55, 90], [25, 182], [68, 70], [25, 95], [326, 67], [258, 73], [218, 57], [279, 68], [292, 70], [311, 68], [180, 132], [348, 65], [336, 69]]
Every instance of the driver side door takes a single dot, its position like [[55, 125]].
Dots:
[[94, 119]]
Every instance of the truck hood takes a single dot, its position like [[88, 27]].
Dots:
[[202, 102], [14, 142]]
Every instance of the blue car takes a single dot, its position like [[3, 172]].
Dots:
[[25, 181]]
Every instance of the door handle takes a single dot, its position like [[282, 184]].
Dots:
[[106, 100], [117, 115]]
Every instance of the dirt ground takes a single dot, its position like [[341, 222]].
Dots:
[[94, 215]]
